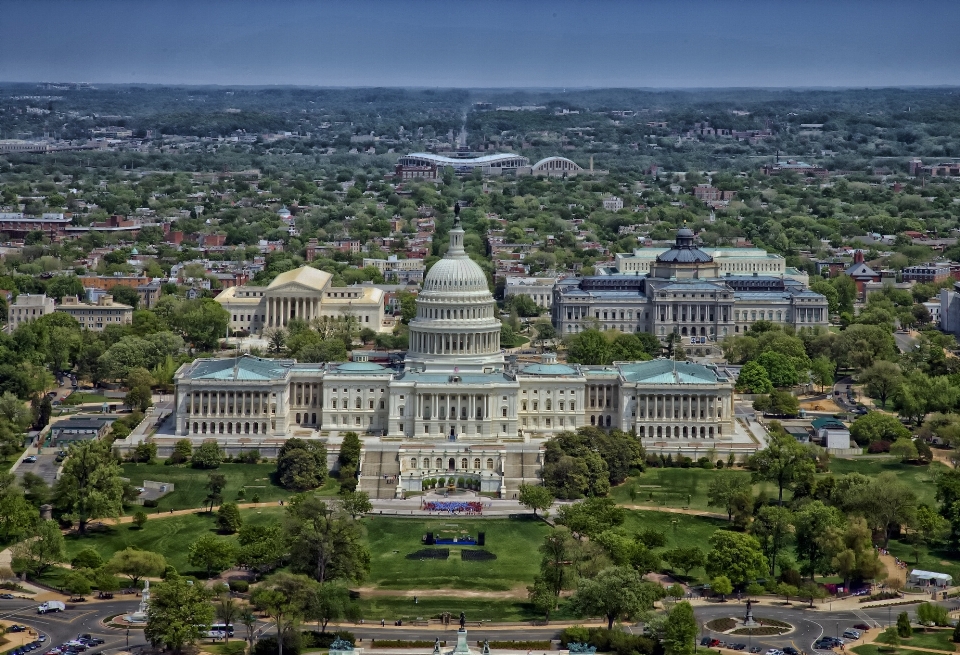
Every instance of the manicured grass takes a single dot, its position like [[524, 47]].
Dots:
[[79, 398], [513, 541], [170, 536], [935, 639], [190, 483], [678, 487], [680, 529], [919, 478], [875, 649]]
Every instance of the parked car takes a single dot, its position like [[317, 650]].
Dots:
[[739, 647], [851, 634], [7, 596], [755, 649], [17, 628], [790, 650], [30, 459], [705, 641], [861, 626]]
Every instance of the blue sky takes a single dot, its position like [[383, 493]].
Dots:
[[466, 43]]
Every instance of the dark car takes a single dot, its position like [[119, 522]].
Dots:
[[17, 628], [790, 650], [755, 649], [739, 646], [861, 626], [7, 596], [705, 641]]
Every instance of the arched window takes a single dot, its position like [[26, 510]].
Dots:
[[490, 463], [426, 463], [439, 463], [476, 463], [413, 463], [593, 420], [463, 463]]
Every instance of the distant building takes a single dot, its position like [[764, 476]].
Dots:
[[861, 273], [613, 204], [802, 169], [28, 307], [77, 429], [430, 166], [400, 271], [97, 316], [936, 272], [832, 433], [538, 289], [17, 225]]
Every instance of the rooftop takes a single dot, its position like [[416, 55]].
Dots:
[[246, 367]]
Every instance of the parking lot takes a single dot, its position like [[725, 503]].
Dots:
[[46, 466]]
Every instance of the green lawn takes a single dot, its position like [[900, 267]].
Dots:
[[678, 487], [936, 639], [190, 483], [78, 398], [919, 478], [169, 536], [875, 649], [391, 608], [513, 541]]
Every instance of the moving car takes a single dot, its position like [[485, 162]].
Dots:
[[30, 459]]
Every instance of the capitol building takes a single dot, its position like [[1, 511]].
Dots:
[[457, 408]]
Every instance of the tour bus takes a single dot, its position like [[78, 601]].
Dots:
[[219, 630]]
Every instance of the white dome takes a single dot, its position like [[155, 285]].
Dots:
[[457, 273]]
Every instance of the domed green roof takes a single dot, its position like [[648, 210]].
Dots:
[[360, 366], [547, 369]]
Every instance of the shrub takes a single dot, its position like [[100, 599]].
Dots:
[[460, 482], [234, 648], [615, 641], [314, 639], [239, 586], [402, 643], [521, 645], [292, 643], [150, 502], [879, 447]]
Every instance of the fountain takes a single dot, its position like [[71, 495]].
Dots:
[[140, 616]]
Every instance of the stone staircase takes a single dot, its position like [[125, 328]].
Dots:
[[380, 472]]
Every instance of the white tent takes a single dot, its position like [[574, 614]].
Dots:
[[925, 578]]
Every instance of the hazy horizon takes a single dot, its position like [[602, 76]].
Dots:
[[537, 45]]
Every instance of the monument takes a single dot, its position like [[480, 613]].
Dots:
[[140, 616], [748, 621]]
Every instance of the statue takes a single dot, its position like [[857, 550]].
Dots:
[[748, 619], [463, 621], [341, 645], [486, 647]]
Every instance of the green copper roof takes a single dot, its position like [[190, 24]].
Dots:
[[665, 371], [547, 369], [360, 367], [240, 368]]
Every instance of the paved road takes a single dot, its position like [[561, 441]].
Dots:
[[46, 466], [809, 624], [905, 342]]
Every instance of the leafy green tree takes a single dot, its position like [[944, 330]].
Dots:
[[77, 584], [17, 515], [65, 285], [753, 378], [356, 503], [261, 548], [827, 290], [737, 556], [780, 369], [905, 449], [324, 543], [229, 520], [212, 554], [588, 347], [814, 523], [541, 597], [179, 614], [731, 491], [216, 483], [182, 451], [301, 465], [328, 602], [783, 461], [616, 592], [685, 559], [877, 426], [680, 635], [535, 497], [821, 372], [285, 598], [882, 380], [772, 528], [45, 548], [590, 517], [208, 455], [87, 558], [90, 485], [904, 629], [202, 322], [139, 395], [140, 519], [721, 585], [137, 564]]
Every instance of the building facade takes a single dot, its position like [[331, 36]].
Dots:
[[96, 316], [28, 307], [538, 289], [456, 407], [304, 293], [686, 292]]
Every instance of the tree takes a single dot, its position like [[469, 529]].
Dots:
[[535, 497], [87, 558], [813, 524], [544, 332], [216, 483], [782, 461], [731, 491], [17, 515], [90, 486], [208, 456], [229, 520], [753, 378], [614, 593], [285, 599], [301, 465], [182, 450], [891, 636], [772, 527], [212, 554], [140, 519], [590, 517], [555, 551], [737, 556], [262, 547], [877, 426], [721, 585], [588, 347], [227, 610], [780, 369], [882, 380], [541, 596], [15, 411], [685, 558], [202, 322], [137, 564], [138, 383], [905, 449], [356, 503], [904, 629], [46, 547], [324, 543], [126, 296], [786, 590], [179, 613], [680, 635], [349, 461], [821, 371], [328, 602], [77, 584]]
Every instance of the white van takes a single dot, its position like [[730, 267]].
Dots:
[[51, 606]]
